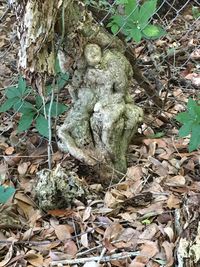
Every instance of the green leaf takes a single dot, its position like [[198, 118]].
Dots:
[[56, 109], [130, 6], [21, 86], [147, 10], [42, 126], [192, 107], [114, 28], [8, 104], [184, 117], [38, 101], [121, 2], [135, 34], [119, 20], [157, 135], [134, 16], [195, 12], [185, 129], [25, 121], [153, 32], [146, 222], [23, 107], [195, 138], [12, 92], [57, 66], [62, 80], [6, 192]]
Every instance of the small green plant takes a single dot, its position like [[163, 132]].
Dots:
[[196, 12], [135, 22], [191, 124], [6, 192], [33, 112]]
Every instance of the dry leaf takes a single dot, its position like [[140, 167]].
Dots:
[[20, 196], [12, 160], [136, 264], [168, 247], [33, 168], [110, 201], [70, 248], [91, 264], [86, 214], [8, 257], [177, 180], [63, 231], [153, 209], [23, 167], [149, 232], [57, 156], [169, 232], [148, 251], [173, 202], [135, 173], [9, 150], [34, 259], [84, 240], [113, 231]]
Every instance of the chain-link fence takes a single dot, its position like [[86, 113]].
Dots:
[[169, 62], [165, 68]]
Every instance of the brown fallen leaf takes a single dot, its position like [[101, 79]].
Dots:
[[168, 247], [173, 202], [149, 232], [113, 231], [84, 240], [9, 150], [148, 250], [169, 232], [23, 167], [155, 209], [7, 257], [63, 231], [34, 258], [87, 213], [60, 213], [91, 264], [70, 248], [12, 160], [177, 180]]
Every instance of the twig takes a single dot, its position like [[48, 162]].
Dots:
[[42, 243], [49, 128], [101, 255], [4, 14], [117, 256], [79, 254]]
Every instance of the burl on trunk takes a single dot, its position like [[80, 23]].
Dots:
[[103, 118]]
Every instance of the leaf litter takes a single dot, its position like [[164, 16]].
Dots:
[[150, 218]]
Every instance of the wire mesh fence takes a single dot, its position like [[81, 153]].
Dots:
[[171, 60], [164, 67]]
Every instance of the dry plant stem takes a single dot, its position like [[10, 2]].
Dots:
[[4, 14], [95, 248], [102, 254], [142, 81], [50, 131], [117, 256]]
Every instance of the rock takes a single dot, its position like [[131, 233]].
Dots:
[[58, 189]]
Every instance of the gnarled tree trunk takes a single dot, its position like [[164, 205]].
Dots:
[[103, 118]]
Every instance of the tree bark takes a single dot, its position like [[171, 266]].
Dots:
[[103, 118]]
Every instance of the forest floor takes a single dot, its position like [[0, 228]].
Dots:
[[151, 217]]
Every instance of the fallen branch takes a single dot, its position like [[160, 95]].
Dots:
[[117, 256]]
